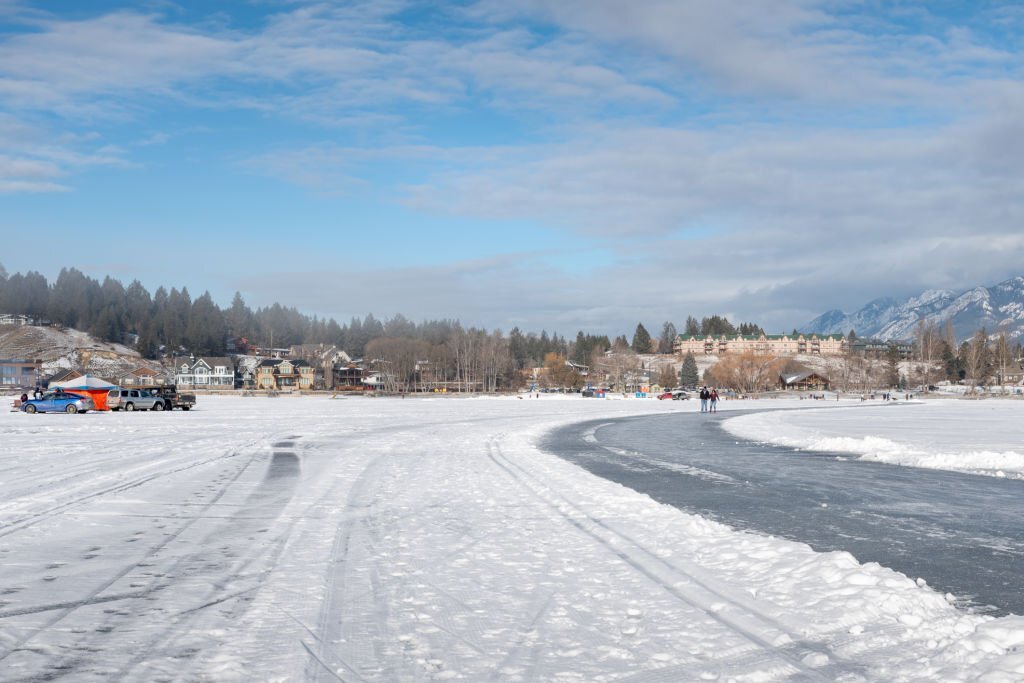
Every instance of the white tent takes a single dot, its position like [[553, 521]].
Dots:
[[82, 383], [93, 387]]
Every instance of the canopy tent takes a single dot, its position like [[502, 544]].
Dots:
[[86, 385]]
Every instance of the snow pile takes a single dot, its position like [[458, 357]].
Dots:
[[371, 539], [981, 437]]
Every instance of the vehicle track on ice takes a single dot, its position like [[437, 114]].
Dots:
[[130, 606], [776, 640], [98, 486]]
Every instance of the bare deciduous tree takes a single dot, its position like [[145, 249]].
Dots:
[[745, 372], [975, 356]]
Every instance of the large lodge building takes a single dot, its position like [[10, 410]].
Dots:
[[764, 345]]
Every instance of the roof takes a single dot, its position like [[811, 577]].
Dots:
[[70, 373], [83, 382], [767, 337], [793, 379], [214, 361], [274, 362]]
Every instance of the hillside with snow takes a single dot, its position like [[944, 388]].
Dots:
[[63, 348], [994, 308]]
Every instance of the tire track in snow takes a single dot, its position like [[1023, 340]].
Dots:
[[29, 520], [95, 596], [779, 641], [262, 507]]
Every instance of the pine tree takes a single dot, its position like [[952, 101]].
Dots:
[[641, 339], [689, 375]]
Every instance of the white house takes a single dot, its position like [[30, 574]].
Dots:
[[205, 373]]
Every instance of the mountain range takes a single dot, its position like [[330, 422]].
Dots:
[[994, 308]]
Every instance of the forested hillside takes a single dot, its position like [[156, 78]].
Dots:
[[174, 320]]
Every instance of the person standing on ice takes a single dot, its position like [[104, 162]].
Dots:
[[713, 395], [704, 396]]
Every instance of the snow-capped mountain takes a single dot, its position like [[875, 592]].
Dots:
[[993, 308]]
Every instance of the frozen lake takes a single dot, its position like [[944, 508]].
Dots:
[[962, 533], [310, 539]]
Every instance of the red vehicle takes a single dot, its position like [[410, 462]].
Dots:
[[675, 395]]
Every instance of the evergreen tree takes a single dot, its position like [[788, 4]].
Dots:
[[138, 307], [689, 375], [148, 344], [641, 339], [692, 327], [239, 319], [107, 325], [717, 326], [205, 329], [667, 340], [892, 366]]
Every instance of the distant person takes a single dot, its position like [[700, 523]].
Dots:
[[713, 396], [704, 396]]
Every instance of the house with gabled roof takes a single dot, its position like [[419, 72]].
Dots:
[[143, 376], [804, 381], [205, 372], [61, 376], [284, 374]]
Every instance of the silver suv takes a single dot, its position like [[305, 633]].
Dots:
[[133, 399]]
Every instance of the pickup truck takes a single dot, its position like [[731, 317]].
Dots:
[[172, 397]]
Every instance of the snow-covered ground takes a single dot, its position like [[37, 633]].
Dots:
[[979, 436], [421, 539]]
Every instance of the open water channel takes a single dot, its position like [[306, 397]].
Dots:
[[962, 533]]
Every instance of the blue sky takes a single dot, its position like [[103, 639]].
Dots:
[[581, 164]]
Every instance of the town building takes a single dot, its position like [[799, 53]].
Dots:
[[19, 373], [804, 381], [205, 373], [764, 344], [142, 376], [348, 377], [284, 374], [879, 348]]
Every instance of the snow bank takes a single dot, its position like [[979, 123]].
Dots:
[[980, 437]]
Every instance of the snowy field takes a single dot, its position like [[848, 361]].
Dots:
[[977, 436], [360, 539]]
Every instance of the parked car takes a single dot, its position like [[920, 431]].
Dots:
[[63, 402], [171, 396], [133, 399], [675, 395]]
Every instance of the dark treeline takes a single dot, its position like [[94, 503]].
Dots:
[[172, 319]]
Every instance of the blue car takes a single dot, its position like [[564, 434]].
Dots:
[[58, 403]]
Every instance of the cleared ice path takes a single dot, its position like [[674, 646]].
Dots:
[[962, 533]]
